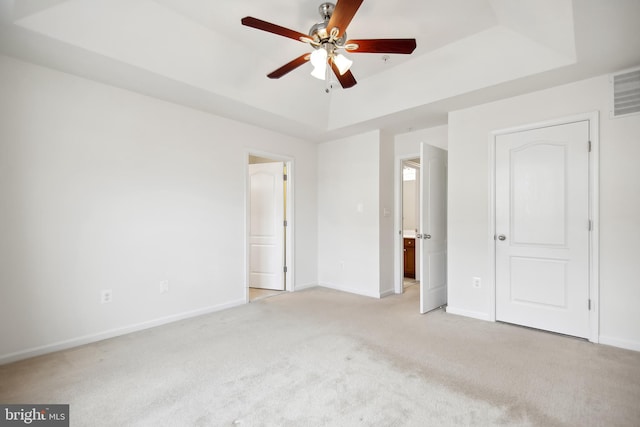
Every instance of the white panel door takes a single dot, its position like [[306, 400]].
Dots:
[[542, 228], [433, 228], [266, 226]]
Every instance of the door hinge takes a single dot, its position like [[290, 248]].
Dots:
[[285, 269], [284, 177], [589, 146], [589, 304], [590, 225], [286, 223]]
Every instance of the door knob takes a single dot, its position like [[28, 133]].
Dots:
[[502, 237], [427, 236], [418, 236]]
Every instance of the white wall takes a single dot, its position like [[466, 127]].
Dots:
[[386, 211], [102, 188], [408, 144], [351, 225], [619, 200]]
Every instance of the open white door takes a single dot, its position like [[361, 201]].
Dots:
[[542, 227], [433, 228], [266, 227]]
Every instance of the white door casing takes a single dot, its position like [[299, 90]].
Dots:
[[542, 228], [266, 226], [433, 228]]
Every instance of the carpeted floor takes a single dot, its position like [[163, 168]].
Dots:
[[325, 358]]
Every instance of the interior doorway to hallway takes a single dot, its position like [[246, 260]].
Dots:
[[269, 225]]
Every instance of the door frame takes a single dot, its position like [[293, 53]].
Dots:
[[289, 212], [594, 214]]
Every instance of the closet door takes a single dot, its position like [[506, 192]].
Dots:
[[542, 228]]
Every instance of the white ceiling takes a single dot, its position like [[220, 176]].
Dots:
[[196, 53]]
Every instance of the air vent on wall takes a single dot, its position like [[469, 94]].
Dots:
[[626, 93]]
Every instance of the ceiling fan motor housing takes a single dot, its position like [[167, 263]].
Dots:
[[319, 32], [326, 10]]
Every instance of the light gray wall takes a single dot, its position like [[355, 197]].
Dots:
[[356, 238], [348, 214], [386, 213], [408, 144], [107, 189], [619, 200]]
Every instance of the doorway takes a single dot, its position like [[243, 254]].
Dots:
[[544, 219], [428, 237], [269, 226], [410, 222]]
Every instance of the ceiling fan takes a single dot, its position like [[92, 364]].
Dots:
[[328, 38]]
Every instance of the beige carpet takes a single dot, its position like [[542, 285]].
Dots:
[[325, 358]]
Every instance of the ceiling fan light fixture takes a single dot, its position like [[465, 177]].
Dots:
[[343, 63], [327, 38]]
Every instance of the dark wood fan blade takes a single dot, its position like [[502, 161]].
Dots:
[[289, 66], [405, 46], [346, 80], [343, 14], [272, 28]]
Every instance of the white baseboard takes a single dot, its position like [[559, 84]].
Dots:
[[351, 290], [304, 286], [387, 293], [617, 342], [87, 339], [468, 313]]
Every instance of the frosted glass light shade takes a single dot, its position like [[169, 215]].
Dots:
[[318, 57], [319, 61], [320, 71], [343, 63]]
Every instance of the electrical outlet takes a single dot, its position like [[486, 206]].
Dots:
[[164, 286], [106, 296], [477, 282]]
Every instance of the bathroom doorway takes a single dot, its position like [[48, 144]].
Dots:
[[422, 241], [410, 222]]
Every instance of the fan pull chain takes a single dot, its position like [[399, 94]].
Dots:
[[327, 76]]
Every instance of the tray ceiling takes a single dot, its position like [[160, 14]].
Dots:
[[196, 53]]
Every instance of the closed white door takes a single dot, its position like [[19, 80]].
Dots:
[[266, 226], [433, 228], [542, 228]]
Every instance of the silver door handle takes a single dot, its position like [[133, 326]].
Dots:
[[502, 237], [427, 236], [418, 236]]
